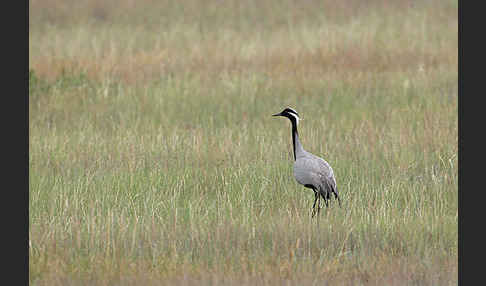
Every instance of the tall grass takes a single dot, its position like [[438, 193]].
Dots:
[[153, 158]]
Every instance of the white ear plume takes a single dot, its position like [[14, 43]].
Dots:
[[296, 117]]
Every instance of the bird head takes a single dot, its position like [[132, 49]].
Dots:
[[291, 114]]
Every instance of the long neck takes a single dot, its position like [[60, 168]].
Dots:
[[295, 140]]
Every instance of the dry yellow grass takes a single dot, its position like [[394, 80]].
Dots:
[[136, 45]]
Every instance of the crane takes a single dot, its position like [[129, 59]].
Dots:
[[310, 170]]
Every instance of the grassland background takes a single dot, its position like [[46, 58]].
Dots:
[[153, 158]]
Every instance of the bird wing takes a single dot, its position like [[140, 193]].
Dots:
[[315, 171]]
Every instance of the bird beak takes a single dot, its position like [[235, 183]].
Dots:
[[278, 114]]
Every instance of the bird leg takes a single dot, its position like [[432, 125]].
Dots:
[[318, 204], [328, 197], [325, 200], [316, 195]]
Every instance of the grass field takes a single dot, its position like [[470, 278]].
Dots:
[[154, 159]]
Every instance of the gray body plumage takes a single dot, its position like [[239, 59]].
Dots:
[[309, 170], [312, 170]]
